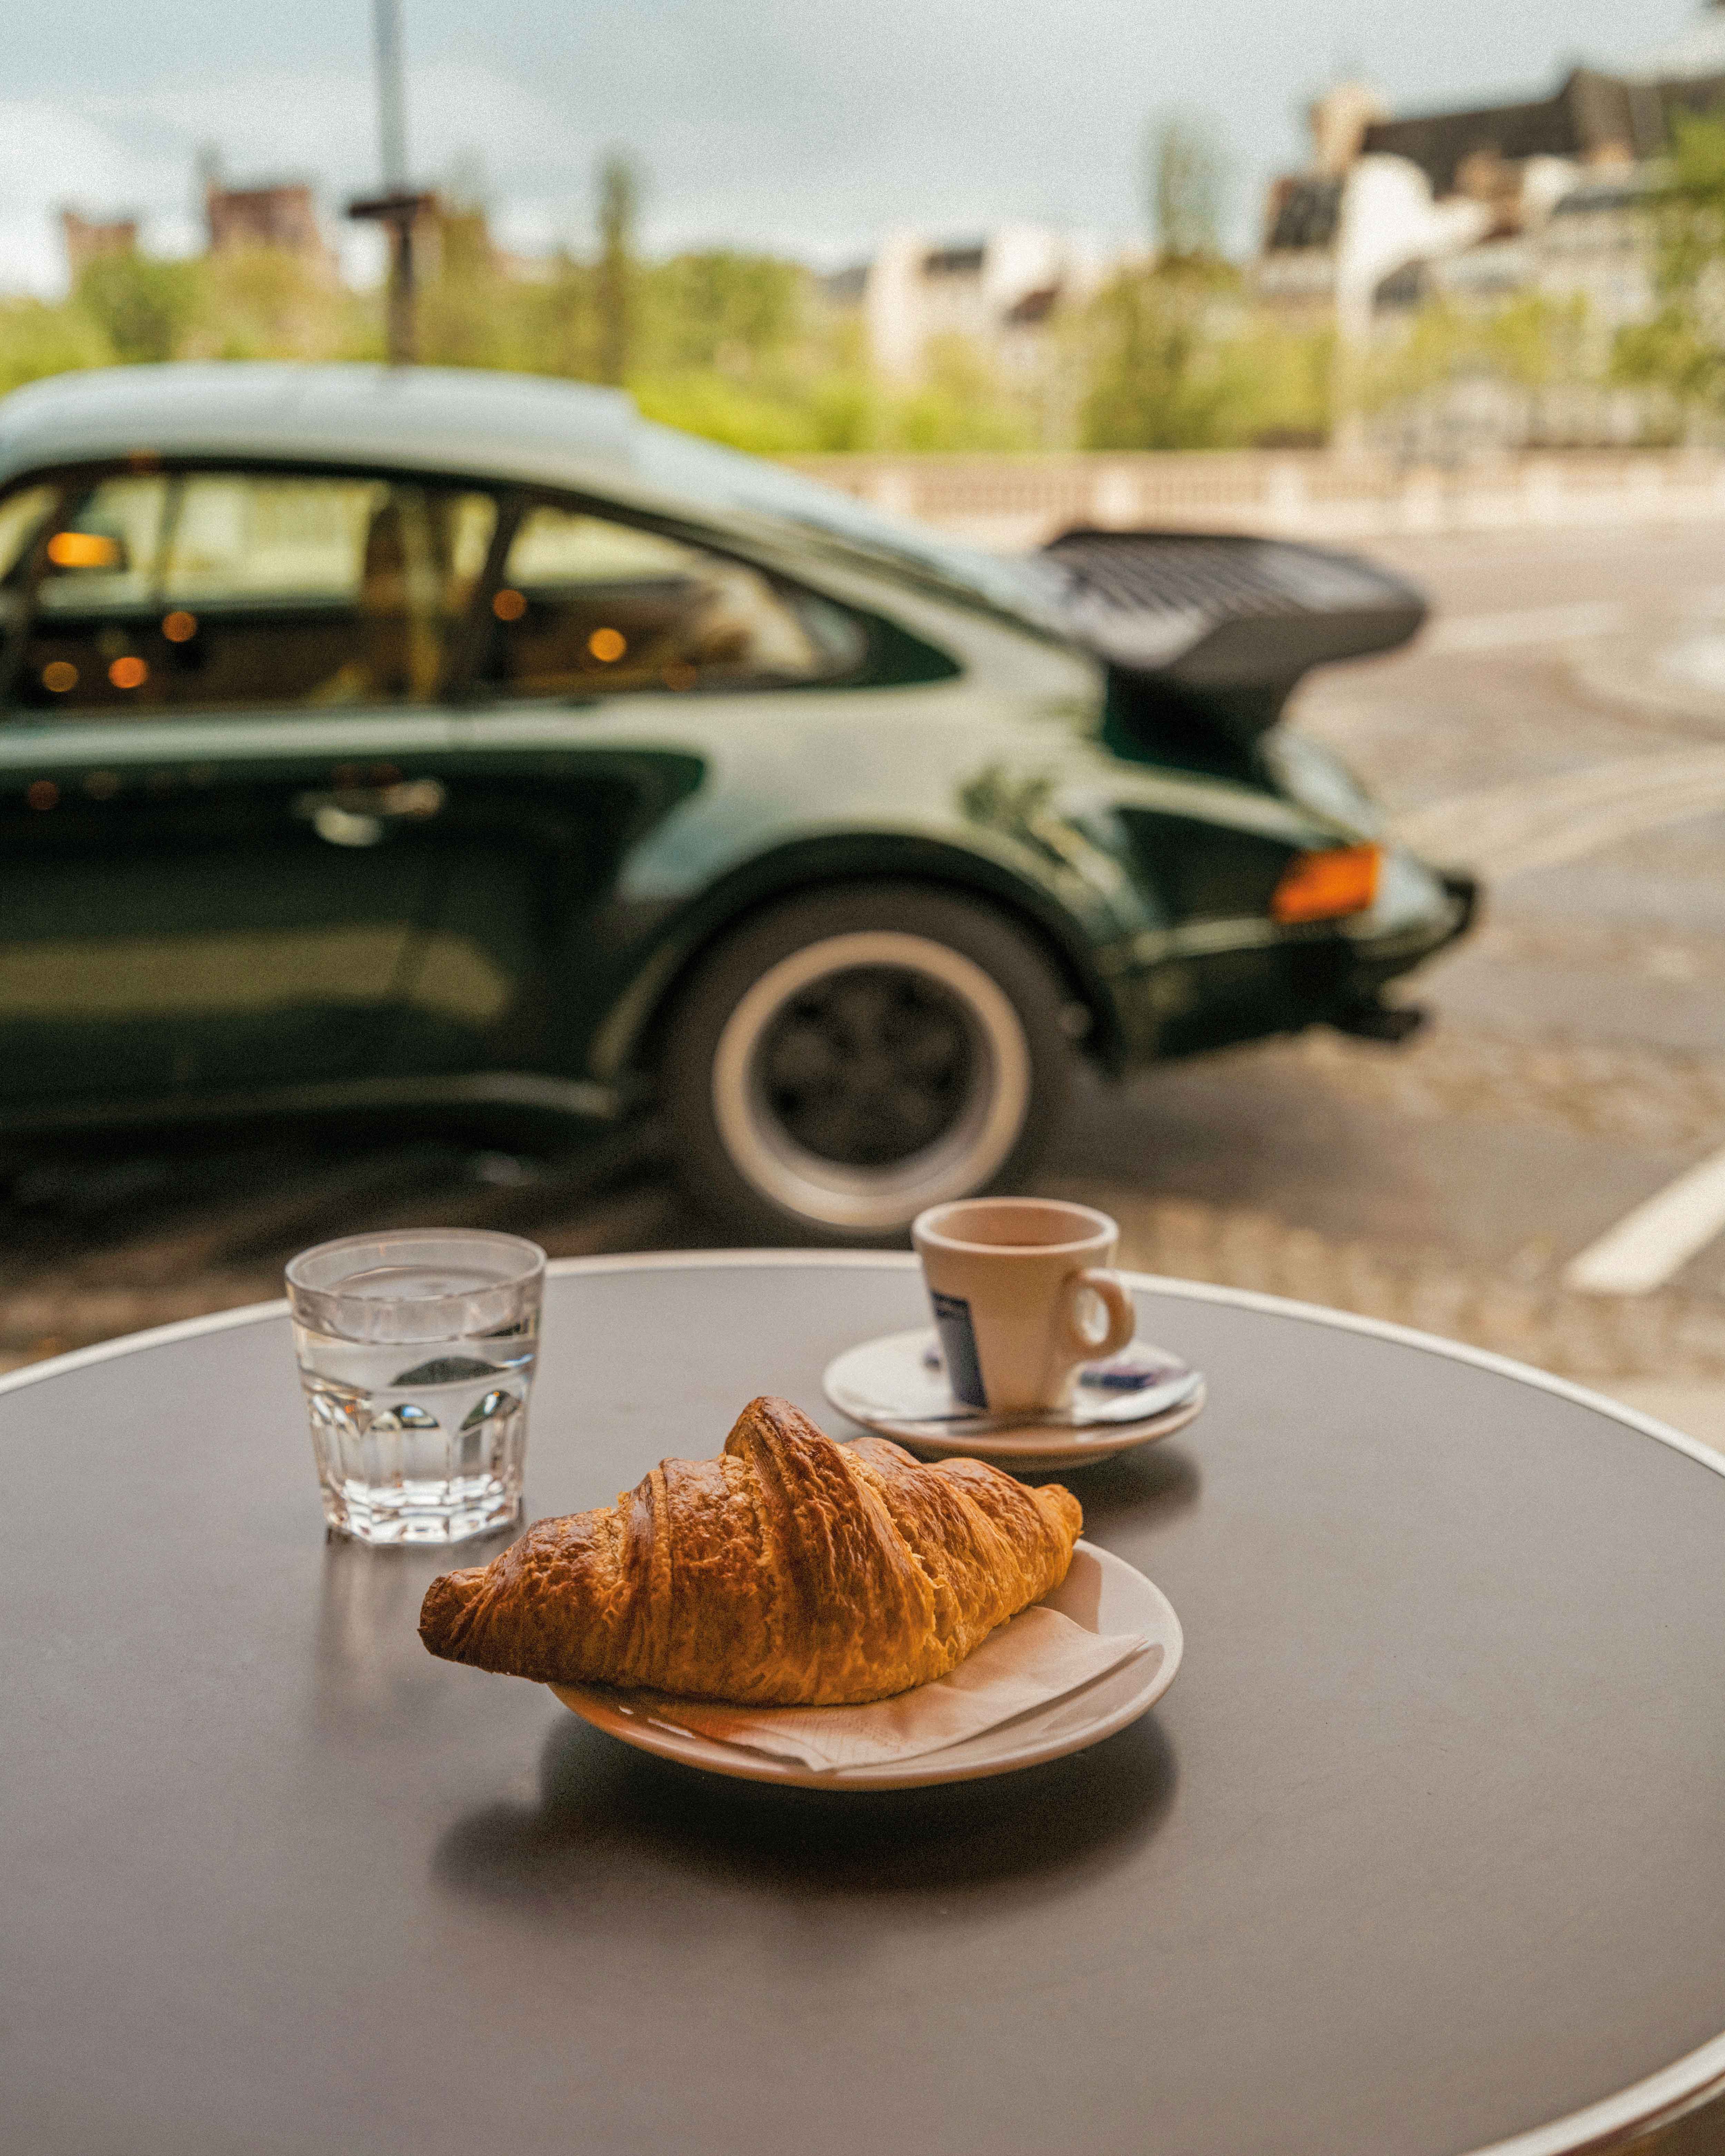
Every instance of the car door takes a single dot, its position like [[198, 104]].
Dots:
[[222, 727], [593, 615]]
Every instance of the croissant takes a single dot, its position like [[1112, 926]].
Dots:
[[790, 1571]]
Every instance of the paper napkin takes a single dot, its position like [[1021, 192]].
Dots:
[[1037, 1657]]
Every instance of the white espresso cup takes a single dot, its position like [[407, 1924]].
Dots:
[[1015, 1283]]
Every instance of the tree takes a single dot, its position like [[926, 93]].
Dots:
[[1682, 348], [1158, 376], [559, 319], [1177, 361], [959, 405], [723, 308], [37, 340], [1155, 383], [619, 199], [266, 303], [1188, 177], [1528, 343], [143, 307], [465, 318]]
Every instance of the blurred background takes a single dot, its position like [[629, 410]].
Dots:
[[1449, 290]]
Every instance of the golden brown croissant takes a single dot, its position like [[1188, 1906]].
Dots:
[[790, 1571]]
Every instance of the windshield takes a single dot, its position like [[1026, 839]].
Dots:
[[1029, 588]]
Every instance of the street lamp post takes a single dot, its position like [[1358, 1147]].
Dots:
[[397, 208], [398, 213]]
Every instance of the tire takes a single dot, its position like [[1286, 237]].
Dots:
[[848, 1057]]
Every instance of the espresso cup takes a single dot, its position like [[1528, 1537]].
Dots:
[[1015, 1282]]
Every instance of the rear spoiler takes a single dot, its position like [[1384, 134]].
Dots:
[[1225, 616]]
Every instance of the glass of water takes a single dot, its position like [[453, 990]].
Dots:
[[416, 1352]]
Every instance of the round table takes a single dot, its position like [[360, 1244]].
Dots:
[[1424, 1851]]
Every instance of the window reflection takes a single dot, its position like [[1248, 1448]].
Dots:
[[224, 589], [587, 606]]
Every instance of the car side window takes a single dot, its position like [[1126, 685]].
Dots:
[[23, 514], [218, 589], [590, 605]]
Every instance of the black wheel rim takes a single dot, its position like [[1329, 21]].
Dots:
[[868, 1066]]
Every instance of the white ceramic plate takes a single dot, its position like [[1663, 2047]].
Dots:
[[1100, 1592], [891, 1387]]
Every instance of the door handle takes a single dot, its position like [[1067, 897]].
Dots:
[[357, 815]]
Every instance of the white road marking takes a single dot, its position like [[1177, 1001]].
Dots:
[[1539, 823], [1658, 1238], [1518, 625]]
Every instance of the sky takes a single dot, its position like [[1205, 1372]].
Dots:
[[806, 126]]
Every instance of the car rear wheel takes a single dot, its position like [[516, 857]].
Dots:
[[850, 1057]]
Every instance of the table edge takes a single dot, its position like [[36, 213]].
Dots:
[[1191, 1290], [1655, 2101]]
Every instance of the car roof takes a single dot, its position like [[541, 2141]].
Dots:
[[480, 424], [506, 426]]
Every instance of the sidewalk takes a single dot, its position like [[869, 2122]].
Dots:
[[1661, 1353], [1678, 674]]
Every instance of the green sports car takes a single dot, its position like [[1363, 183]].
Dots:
[[382, 740]]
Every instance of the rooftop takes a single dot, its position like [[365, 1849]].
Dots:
[[1588, 114]]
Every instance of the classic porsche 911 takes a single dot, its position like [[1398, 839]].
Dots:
[[375, 739]]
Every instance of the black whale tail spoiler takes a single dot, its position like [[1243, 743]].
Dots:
[[1231, 620]]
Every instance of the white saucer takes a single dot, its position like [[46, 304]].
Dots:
[[896, 1387], [1100, 1592]]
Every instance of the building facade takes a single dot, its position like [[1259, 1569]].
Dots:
[[281, 217], [1000, 292], [1544, 194], [87, 240], [1486, 204]]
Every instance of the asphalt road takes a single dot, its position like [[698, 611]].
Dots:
[[1555, 727]]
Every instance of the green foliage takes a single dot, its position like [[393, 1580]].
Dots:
[[721, 309], [729, 345], [1671, 352], [37, 340], [261, 303], [557, 322], [1155, 383], [784, 412], [1682, 347], [1285, 378], [844, 411], [1177, 361], [141, 307], [1530, 341], [960, 405], [477, 316], [465, 243], [738, 346], [743, 416]]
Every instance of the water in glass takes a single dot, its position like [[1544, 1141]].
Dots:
[[421, 1438]]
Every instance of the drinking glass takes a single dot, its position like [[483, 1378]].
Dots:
[[416, 1350]]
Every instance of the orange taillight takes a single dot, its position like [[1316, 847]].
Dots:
[[1320, 887]]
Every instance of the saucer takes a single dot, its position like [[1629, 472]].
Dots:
[[897, 1387], [1100, 1592]]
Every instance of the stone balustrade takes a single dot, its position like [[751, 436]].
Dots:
[[1012, 502]]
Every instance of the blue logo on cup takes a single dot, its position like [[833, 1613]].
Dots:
[[964, 1373]]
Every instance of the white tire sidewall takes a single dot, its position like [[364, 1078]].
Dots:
[[871, 1201]]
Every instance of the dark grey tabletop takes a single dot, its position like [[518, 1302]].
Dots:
[[1424, 1851]]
